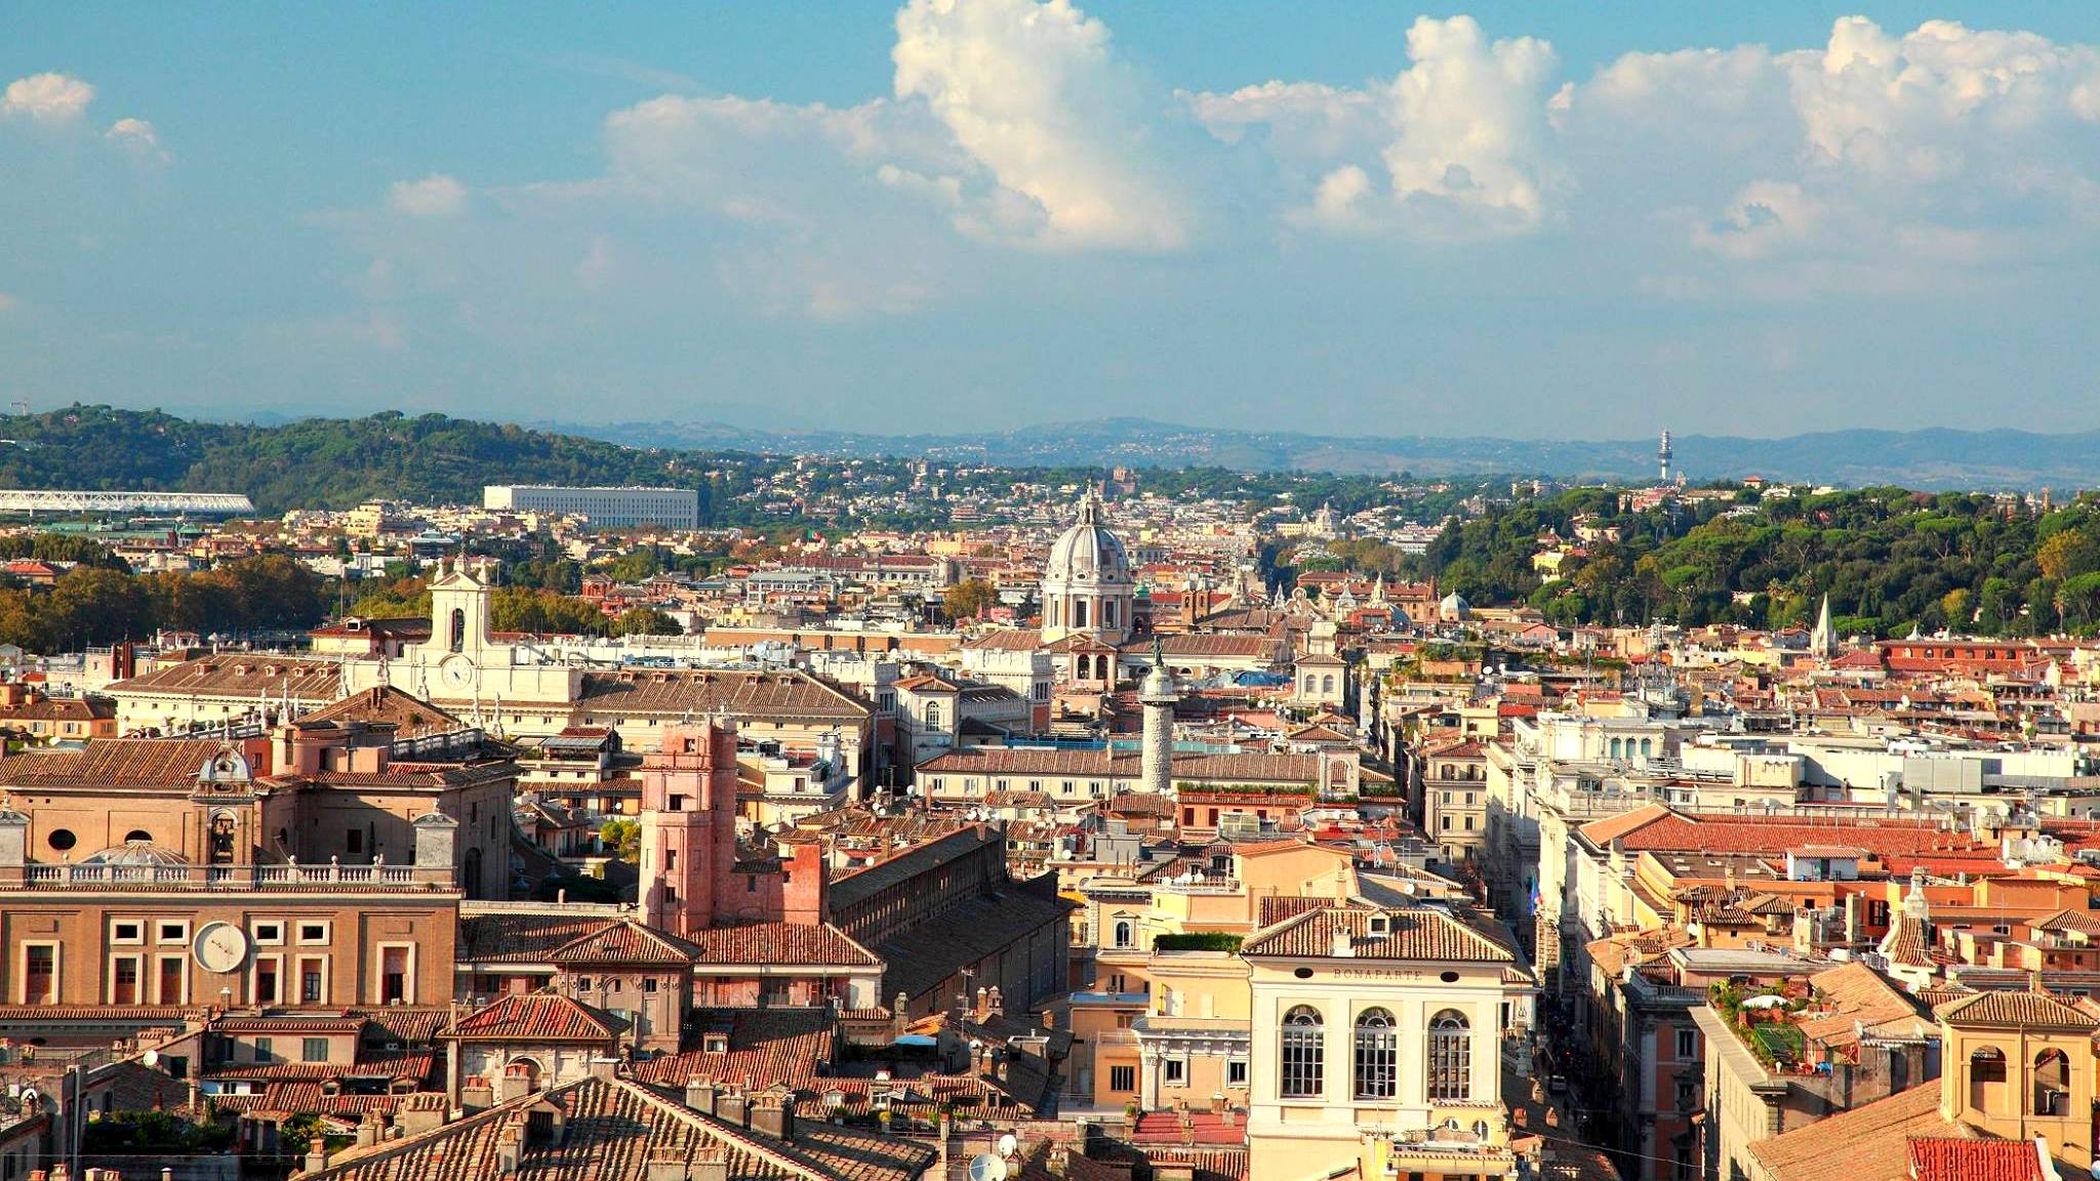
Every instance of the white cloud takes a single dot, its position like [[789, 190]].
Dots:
[[1032, 93], [1456, 146], [436, 195], [139, 138], [47, 97]]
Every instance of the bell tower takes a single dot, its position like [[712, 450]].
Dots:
[[459, 612]]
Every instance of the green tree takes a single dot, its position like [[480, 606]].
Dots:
[[623, 838], [648, 621], [969, 598]]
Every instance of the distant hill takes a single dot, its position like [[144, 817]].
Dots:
[[335, 463], [315, 462], [1926, 459]]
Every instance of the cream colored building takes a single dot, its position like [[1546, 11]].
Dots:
[[1378, 1044]]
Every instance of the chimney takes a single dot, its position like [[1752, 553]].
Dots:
[[773, 1113], [316, 1160], [1344, 946], [994, 1007], [665, 1164], [710, 1163], [984, 1003], [733, 1106], [700, 1095], [605, 1069], [900, 1012], [367, 1133]]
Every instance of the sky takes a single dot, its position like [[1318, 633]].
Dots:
[[1527, 220]]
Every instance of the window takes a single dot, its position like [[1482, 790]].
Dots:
[[649, 985], [138, 834], [1450, 1057], [265, 1050], [2052, 1083], [1687, 1043], [1174, 1070], [1123, 933], [268, 991], [354, 840], [40, 974], [269, 932], [171, 979], [393, 975], [127, 932], [1304, 1056], [1236, 1072], [175, 932], [313, 980], [933, 714], [1122, 1078], [1377, 1055], [310, 933], [677, 803], [313, 1049], [61, 839], [124, 980]]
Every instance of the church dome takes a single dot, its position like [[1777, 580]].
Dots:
[[144, 853], [1088, 552]]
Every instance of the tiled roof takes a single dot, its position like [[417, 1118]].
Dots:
[[933, 949], [1707, 834], [536, 1017], [801, 944], [2085, 922], [411, 716], [773, 694], [766, 1046], [995, 760], [244, 675], [611, 1129], [625, 942], [1413, 933], [2013, 1010], [1945, 1158], [1872, 1141], [527, 938], [114, 762]]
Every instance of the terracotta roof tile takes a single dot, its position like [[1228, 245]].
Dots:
[[1412, 933], [536, 1017], [1944, 1158]]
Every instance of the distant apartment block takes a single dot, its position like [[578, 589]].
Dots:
[[674, 508]]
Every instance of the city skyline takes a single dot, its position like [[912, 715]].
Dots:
[[973, 216]]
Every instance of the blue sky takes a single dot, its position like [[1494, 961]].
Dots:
[[1530, 220]]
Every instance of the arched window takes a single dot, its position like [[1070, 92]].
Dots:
[[1986, 1077], [1123, 933], [1615, 748], [1327, 683], [137, 834], [1450, 1057], [933, 714], [1647, 747], [459, 629], [2052, 1083], [1377, 1055], [1304, 1060]]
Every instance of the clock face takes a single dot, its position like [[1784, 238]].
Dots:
[[221, 947], [457, 672]]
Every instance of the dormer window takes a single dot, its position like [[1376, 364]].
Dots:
[[1378, 924]]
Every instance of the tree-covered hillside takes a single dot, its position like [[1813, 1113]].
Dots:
[[1890, 559], [318, 463]]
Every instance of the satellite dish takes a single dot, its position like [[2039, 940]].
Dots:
[[1007, 1144], [986, 1167], [150, 1057]]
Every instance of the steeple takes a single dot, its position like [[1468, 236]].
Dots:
[[1824, 640]]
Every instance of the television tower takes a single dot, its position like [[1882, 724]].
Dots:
[[1662, 456]]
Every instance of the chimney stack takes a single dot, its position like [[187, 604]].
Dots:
[[700, 1095], [710, 1163]]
